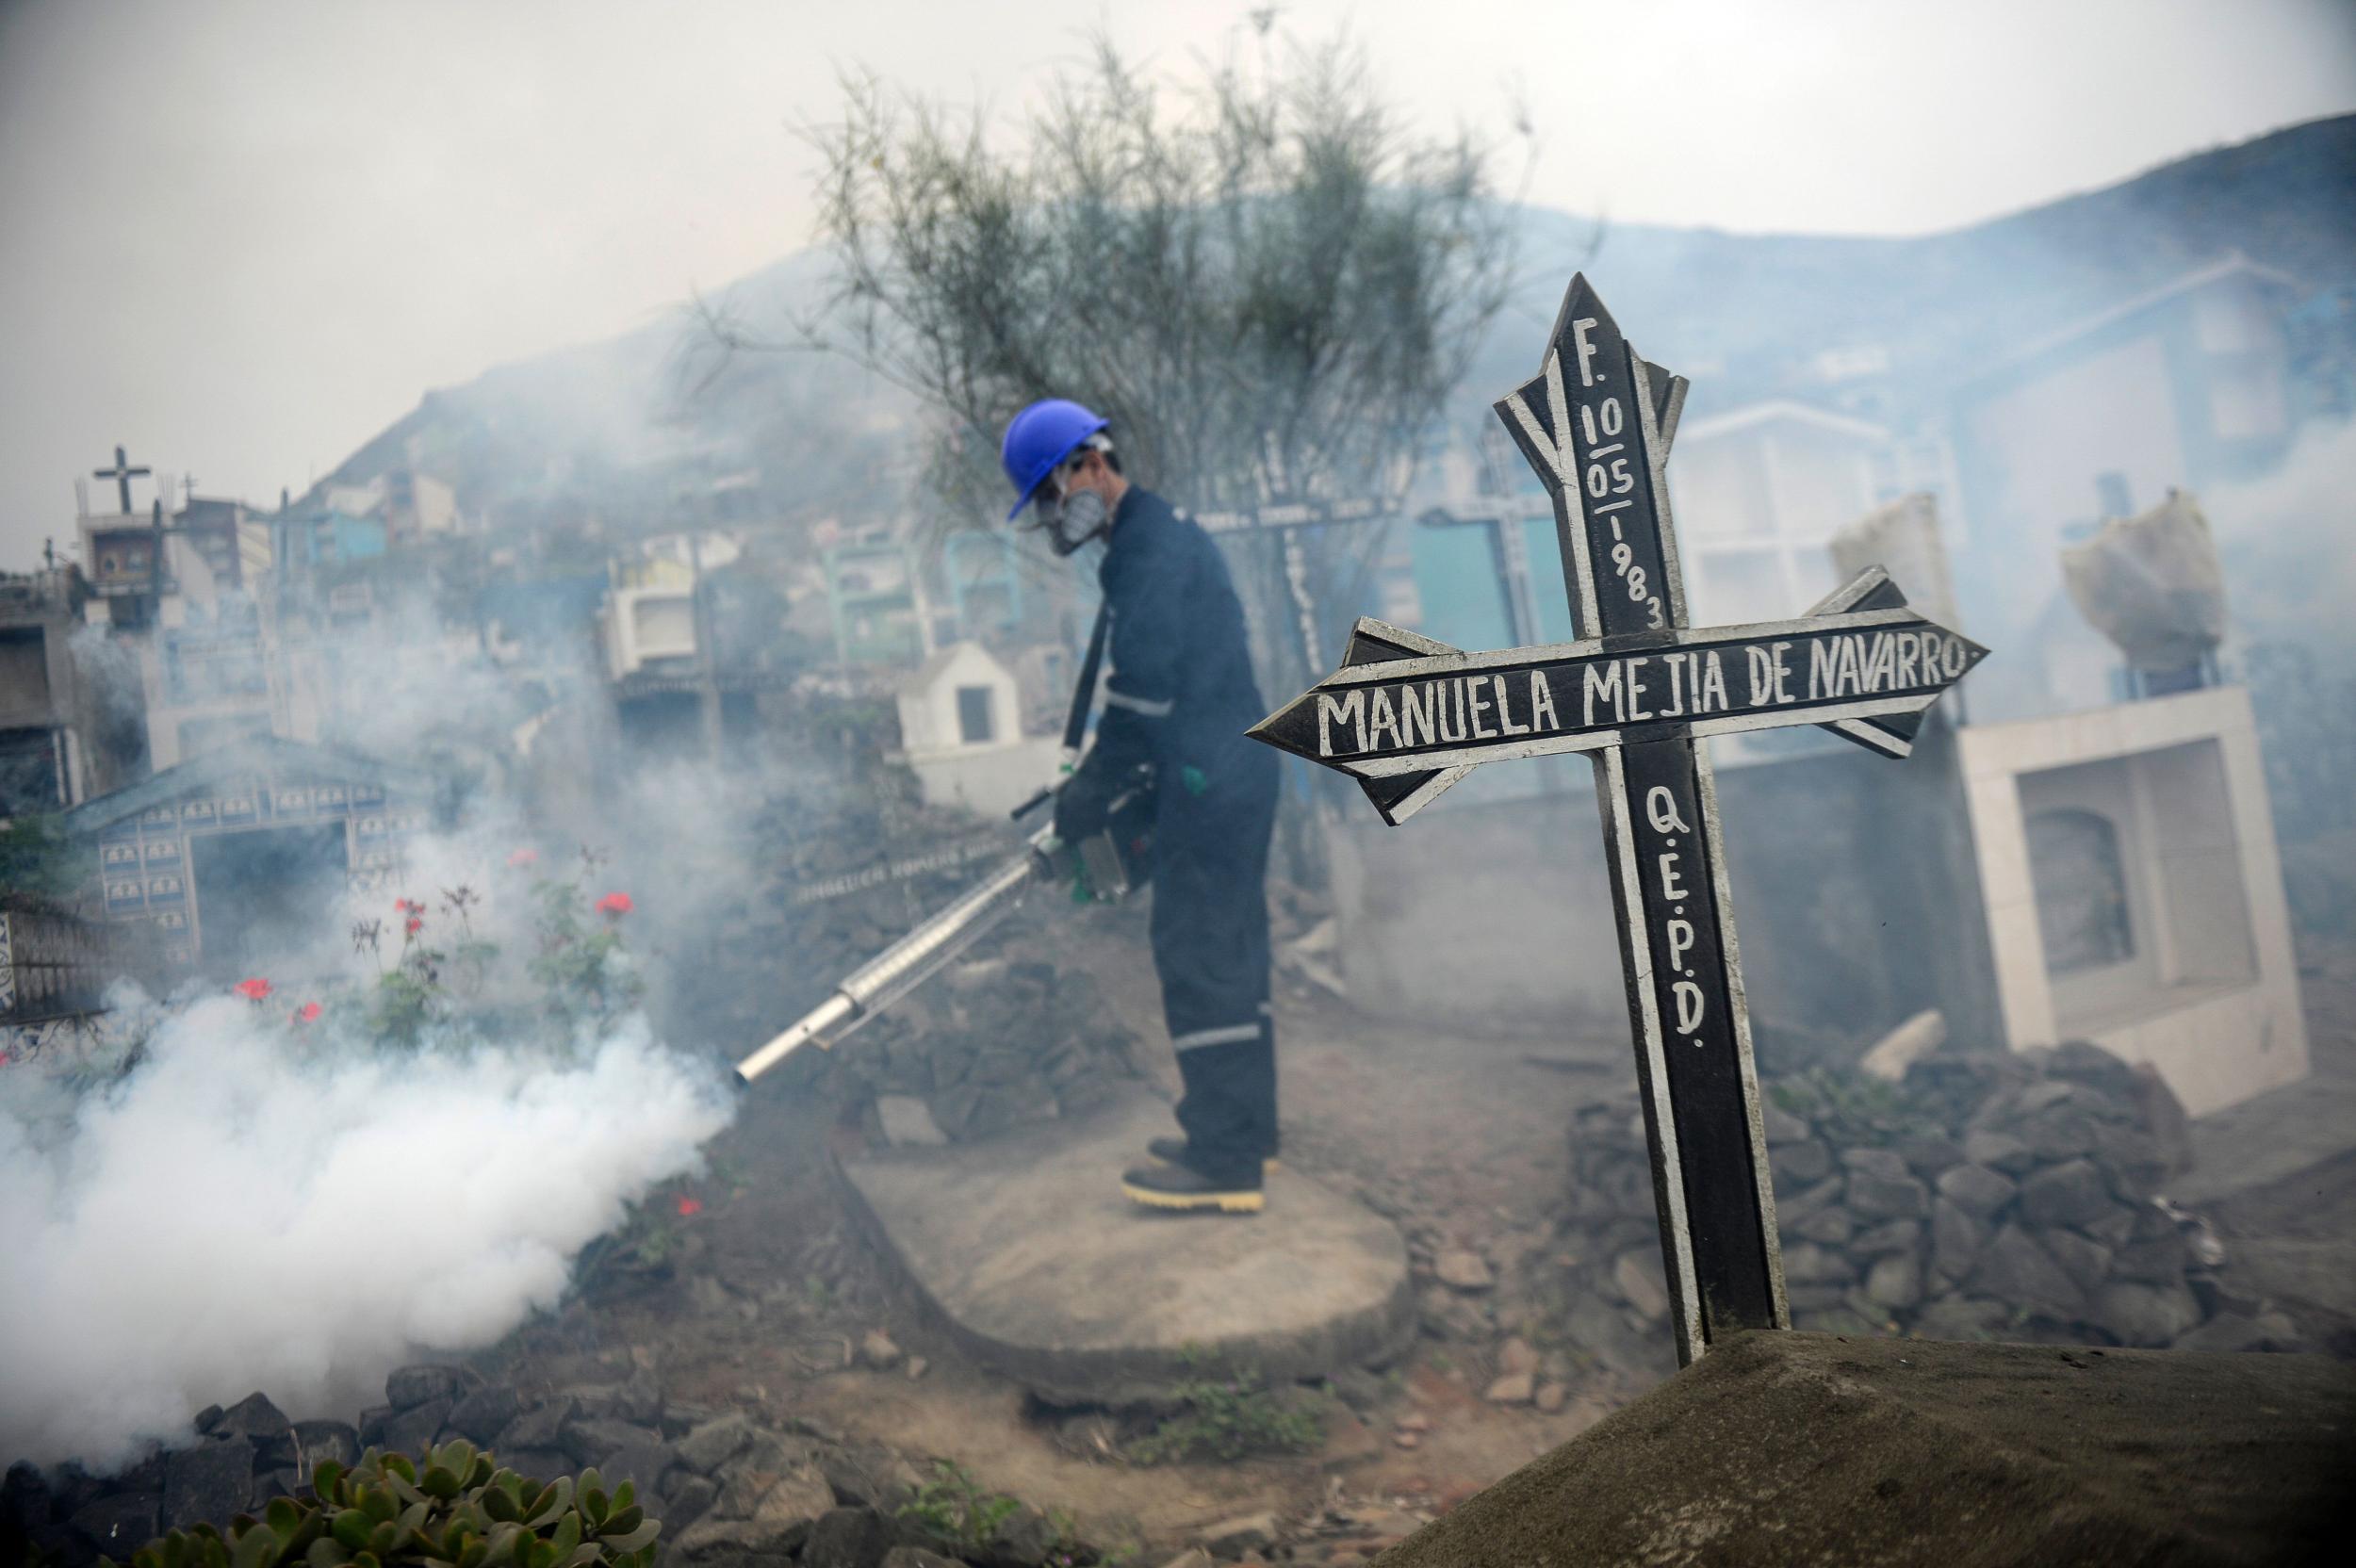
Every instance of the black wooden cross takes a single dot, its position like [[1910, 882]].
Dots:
[[1408, 717], [122, 474]]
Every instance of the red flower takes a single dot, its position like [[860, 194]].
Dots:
[[308, 1013], [688, 1207], [416, 923], [524, 858], [402, 905], [254, 990], [616, 904]]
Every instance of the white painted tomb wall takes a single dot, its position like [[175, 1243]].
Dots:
[[2134, 894], [962, 730]]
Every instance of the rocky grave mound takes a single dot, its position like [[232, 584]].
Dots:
[[1982, 1196], [1003, 1037]]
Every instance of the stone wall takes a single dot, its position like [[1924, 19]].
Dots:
[[1003, 1037], [1009, 1033]]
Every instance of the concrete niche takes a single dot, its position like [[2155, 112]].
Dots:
[[2133, 896]]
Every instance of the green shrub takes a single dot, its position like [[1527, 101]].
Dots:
[[954, 1510], [636, 1252], [1228, 1419], [583, 965], [406, 1001], [36, 856], [456, 1511]]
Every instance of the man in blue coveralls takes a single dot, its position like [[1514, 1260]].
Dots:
[[1177, 702]]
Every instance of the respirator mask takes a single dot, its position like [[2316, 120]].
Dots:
[[1069, 519]]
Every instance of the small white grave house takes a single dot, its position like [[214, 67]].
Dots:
[[961, 732]]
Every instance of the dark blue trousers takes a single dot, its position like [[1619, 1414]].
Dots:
[[1210, 936]]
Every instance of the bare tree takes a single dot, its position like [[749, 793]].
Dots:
[[1262, 278]]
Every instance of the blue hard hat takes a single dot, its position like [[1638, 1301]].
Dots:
[[1039, 438]]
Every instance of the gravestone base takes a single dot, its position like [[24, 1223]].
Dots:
[[1024, 1253], [1792, 1447]]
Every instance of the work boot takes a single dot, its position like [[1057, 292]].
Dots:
[[1175, 1150], [1183, 1187]]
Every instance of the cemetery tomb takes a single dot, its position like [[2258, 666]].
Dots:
[[2133, 893], [241, 847], [960, 727]]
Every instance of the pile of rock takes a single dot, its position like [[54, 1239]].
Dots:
[[1514, 1333], [1002, 1037], [728, 1491], [1011, 1034], [1994, 1195], [245, 1456]]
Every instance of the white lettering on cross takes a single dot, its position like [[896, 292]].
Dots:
[[1688, 1000], [1542, 703], [1670, 886], [1639, 690], [1602, 680], [1587, 349], [1351, 710], [1505, 717]]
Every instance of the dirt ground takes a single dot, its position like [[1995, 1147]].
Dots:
[[1460, 1141], [2295, 1239]]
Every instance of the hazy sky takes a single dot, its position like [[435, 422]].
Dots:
[[243, 238]]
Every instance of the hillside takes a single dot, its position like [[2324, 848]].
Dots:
[[1745, 315], [1751, 311]]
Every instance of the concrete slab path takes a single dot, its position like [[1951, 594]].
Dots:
[[1024, 1252]]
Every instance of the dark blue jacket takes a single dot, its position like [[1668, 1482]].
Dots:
[[1181, 691]]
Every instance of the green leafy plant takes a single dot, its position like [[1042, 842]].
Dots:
[[637, 1251], [470, 960], [953, 1510], [456, 1509], [1230, 1418], [37, 857], [582, 964], [1863, 1109], [1069, 1551], [406, 999]]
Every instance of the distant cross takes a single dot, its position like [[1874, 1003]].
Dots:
[[187, 488], [122, 474], [49, 552], [1408, 717], [1286, 519]]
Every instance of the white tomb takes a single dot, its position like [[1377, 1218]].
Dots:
[[961, 732], [2128, 868]]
